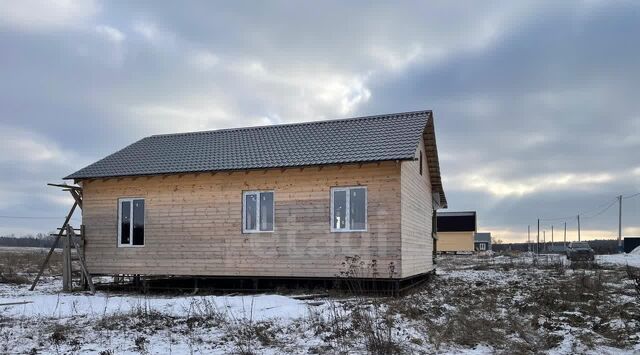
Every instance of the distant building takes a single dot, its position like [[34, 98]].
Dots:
[[630, 243], [482, 241], [456, 232]]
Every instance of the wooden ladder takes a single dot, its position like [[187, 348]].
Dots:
[[70, 242]]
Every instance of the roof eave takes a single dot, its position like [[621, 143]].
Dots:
[[75, 176], [433, 162]]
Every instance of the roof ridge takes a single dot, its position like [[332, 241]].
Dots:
[[386, 115]]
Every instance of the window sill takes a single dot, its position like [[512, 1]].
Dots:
[[257, 232], [130, 246], [348, 231]]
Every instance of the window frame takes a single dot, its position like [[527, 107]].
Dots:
[[130, 244], [347, 228], [244, 212]]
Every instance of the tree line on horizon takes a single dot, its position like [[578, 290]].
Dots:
[[39, 240]]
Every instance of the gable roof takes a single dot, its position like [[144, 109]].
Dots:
[[353, 140], [482, 237]]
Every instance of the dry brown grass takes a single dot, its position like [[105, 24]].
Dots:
[[29, 260]]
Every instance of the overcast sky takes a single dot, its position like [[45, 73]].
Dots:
[[537, 103]]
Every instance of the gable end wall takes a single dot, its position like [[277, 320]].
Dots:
[[416, 213]]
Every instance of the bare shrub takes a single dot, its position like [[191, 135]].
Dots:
[[368, 317], [205, 312], [9, 276], [634, 275], [141, 318], [248, 334], [59, 333], [333, 325], [377, 327], [141, 343]]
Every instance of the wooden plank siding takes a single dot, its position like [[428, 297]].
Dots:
[[416, 212], [193, 223], [455, 241]]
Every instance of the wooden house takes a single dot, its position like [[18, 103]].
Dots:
[[285, 201], [456, 232]]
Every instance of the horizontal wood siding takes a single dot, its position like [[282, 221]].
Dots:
[[193, 223], [455, 241], [416, 211]]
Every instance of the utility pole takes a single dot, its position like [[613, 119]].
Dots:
[[578, 227], [544, 241], [620, 224], [565, 235], [538, 242], [529, 237], [551, 238]]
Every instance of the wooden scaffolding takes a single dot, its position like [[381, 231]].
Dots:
[[73, 248]]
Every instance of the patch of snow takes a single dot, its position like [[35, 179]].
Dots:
[[620, 259], [63, 305]]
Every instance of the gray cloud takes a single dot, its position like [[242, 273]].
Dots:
[[535, 102]]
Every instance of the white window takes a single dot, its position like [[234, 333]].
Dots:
[[349, 209], [130, 222], [482, 246], [257, 211]]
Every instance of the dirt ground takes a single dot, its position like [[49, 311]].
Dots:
[[503, 304]]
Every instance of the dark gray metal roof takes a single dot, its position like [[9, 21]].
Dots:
[[483, 237], [363, 139], [352, 140]]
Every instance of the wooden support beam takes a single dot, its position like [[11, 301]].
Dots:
[[65, 186], [15, 303], [76, 197], [53, 247], [67, 280]]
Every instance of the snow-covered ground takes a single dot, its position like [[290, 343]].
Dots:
[[619, 259], [475, 305], [61, 305]]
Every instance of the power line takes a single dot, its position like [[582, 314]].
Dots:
[[602, 211], [584, 214], [631, 196]]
